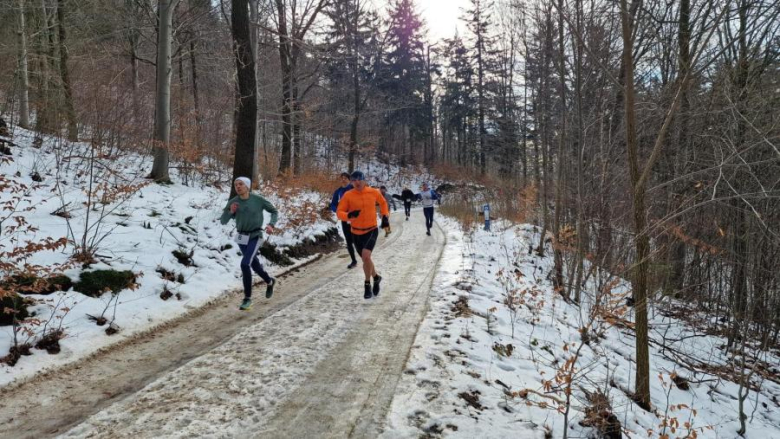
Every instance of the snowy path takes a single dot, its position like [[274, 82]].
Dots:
[[323, 365]]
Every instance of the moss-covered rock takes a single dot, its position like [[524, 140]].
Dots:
[[325, 243], [270, 253], [15, 305], [95, 283], [30, 284]]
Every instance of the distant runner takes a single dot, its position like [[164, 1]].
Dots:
[[407, 196], [247, 209], [334, 203], [357, 207], [428, 196], [389, 200]]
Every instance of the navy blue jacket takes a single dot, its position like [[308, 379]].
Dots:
[[334, 203]]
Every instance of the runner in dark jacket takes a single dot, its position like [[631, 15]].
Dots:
[[334, 203], [407, 196]]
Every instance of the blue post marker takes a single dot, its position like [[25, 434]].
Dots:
[[486, 209]]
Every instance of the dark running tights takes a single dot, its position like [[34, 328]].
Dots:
[[350, 241], [250, 262], [428, 211]]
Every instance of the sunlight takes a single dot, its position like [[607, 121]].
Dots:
[[442, 17]]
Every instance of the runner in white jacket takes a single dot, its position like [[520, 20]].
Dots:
[[427, 197]]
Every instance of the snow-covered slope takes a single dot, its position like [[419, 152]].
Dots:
[[469, 378], [138, 230]]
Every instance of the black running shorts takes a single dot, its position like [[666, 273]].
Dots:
[[365, 241]]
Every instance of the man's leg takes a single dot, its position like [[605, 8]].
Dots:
[[428, 211], [368, 265], [349, 238]]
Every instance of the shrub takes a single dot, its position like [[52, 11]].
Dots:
[[15, 304], [95, 283], [31, 284]]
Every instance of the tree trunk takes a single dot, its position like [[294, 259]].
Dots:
[[285, 58], [481, 105], [642, 245], [581, 240], [253, 38], [44, 114], [296, 129], [430, 156], [353, 131], [246, 113], [740, 217], [162, 113], [24, 95], [70, 111], [195, 91], [134, 80], [676, 252], [557, 222]]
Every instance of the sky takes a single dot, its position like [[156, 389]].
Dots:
[[441, 16]]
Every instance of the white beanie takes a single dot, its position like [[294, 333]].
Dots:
[[246, 181]]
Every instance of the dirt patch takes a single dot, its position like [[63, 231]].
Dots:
[[15, 353], [50, 342], [472, 399], [461, 307], [325, 243], [600, 417], [503, 350], [184, 257]]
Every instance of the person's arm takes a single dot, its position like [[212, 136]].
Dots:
[[334, 202], [383, 209], [434, 195], [268, 207], [343, 208], [226, 213]]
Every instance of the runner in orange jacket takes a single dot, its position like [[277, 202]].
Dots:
[[357, 206]]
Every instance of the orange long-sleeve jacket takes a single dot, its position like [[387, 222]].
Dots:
[[365, 201]]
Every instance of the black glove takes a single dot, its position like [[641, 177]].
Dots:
[[385, 222], [353, 214]]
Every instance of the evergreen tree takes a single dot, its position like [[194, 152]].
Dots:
[[457, 102], [353, 51], [403, 76], [484, 60]]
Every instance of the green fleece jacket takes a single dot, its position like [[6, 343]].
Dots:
[[249, 216]]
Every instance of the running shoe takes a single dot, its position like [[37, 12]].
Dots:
[[377, 279]]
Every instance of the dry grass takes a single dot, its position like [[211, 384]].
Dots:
[[462, 210]]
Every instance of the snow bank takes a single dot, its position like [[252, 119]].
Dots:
[[464, 380], [138, 234]]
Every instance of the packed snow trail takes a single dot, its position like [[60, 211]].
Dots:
[[324, 365]]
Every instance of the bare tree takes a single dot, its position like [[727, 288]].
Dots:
[[162, 118], [24, 96], [246, 101], [67, 88], [294, 19]]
